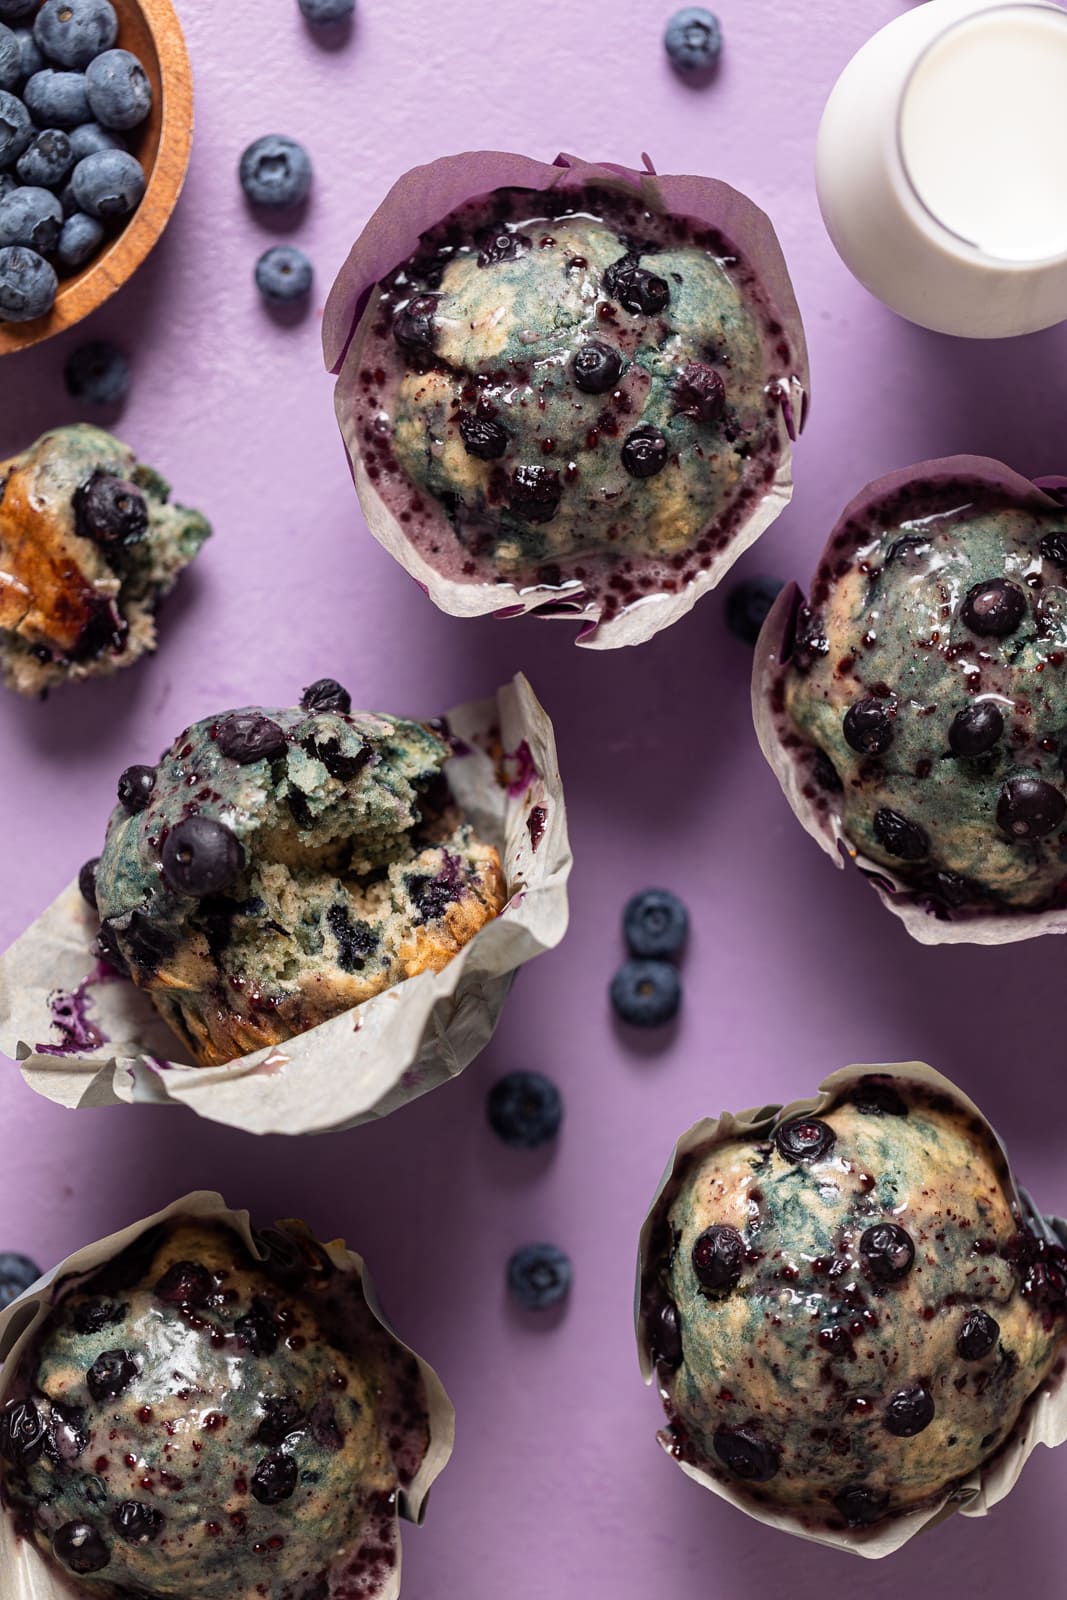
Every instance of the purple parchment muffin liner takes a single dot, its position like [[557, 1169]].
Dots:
[[817, 807], [415, 1420], [425, 196], [85, 1037], [1043, 1420]]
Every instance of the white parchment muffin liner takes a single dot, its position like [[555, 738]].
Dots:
[[1044, 1420], [85, 1037], [24, 1572]]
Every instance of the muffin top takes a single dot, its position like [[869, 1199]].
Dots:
[[585, 389], [191, 1423], [928, 681], [850, 1313]]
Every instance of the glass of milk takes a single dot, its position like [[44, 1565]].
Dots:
[[941, 166]]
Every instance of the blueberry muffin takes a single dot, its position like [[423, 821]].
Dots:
[[926, 692], [190, 1422], [281, 865], [849, 1311], [89, 545]]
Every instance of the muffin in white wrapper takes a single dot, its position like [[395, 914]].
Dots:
[[86, 1036], [301, 1424], [857, 1322]]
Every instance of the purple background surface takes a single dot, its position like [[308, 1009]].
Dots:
[[557, 1485]]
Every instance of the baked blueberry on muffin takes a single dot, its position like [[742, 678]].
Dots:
[[849, 1311], [280, 865], [575, 389], [189, 1422], [89, 545], [921, 705]]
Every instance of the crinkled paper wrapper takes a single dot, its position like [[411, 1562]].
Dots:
[[820, 816], [422, 198], [24, 1572], [1045, 1418], [361, 1064]]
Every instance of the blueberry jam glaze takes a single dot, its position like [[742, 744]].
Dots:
[[889, 1314], [216, 1460], [925, 695], [567, 390]]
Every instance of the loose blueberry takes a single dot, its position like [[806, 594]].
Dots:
[[87, 881], [539, 1276], [10, 59], [635, 288], [482, 437], [748, 604], [746, 1455], [275, 171], [201, 856], [111, 1375], [326, 694], [899, 837], [16, 128], [29, 52], [72, 32], [98, 373], [596, 367], [993, 609], [861, 1506], [1054, 548], [57, 99], [90, 138], [249, 736], [46, 162], [665, 1335], [415, 331], [699, 392], [23, 1433], [79, 239], [877, 1099], [500, 245], [804, 1139], [136, 1522], [978, 1334], [186, 1283], [717, 1258], [110, 511], [31, 216], [120, 95], [79, 1547], [284, 274], [1029, 808], [135, 787], [282, 1415], [91, 1316], [908, 1411], [524, 1109], [274, 1478], [110, 183], [645, 451], [655, 924], [887, 1252], [28, 285], [535, 493], [17, 1272], [693, 40], [646, 994], [975, 729], [258, 1329], [321, 13], [867, 727]]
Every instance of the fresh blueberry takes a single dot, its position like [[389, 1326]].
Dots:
[[28, 284], [120, 94], [90, 138], [646, 994], [978, 1334], [135, 788], [201, 856], [320, 13], [693, 39], [46, 162], [72, 32], [284, 274], [111, 512], [32, 217], [79, 1547], [32, 59], [326, 694], [275, 171], [109, 183], [87, 881], [17, 10], [747, 605], [98, 373], [539, 1276], [10, 59], [655, 924], [79, 239], [16, 128], [57, 99], [524, 1109], [17, 1272]]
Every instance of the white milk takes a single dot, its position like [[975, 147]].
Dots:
[[942, 166]]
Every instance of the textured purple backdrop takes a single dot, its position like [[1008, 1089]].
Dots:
[[557, 1486]]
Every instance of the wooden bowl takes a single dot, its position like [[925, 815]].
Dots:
[[151, 31]]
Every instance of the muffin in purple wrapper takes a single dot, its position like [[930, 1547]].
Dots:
[[568, 389], [914, 706]]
